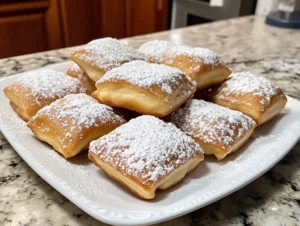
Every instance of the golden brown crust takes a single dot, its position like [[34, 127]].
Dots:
[[76, 72], [94, 72], [135, 186], [45, 129], [33, 91], [260, 104], [218, 130], [125, 95], [24, 103], [101, 55], [69, 128], [219, 151], [139, 177], [20, 112], [259, 112], [145, 88], [146, 154], [104, 166], [205, 74]]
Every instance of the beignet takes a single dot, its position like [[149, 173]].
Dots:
[[101, 55], [146, 88], [255, 96], [201, 64], [76, 72], [146, 154], [217, 129], [71, 123], [36, 89], [154, 51]]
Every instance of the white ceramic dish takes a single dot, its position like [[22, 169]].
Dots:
[[91, 190]]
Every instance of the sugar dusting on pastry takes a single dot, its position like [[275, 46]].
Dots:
[[74, 68], [144, 74], [197, 54], [155, 49], [49, 84], [146, 147], [107, 53], [78, 111], [214, 124], [246, 82]]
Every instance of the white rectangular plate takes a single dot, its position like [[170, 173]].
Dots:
[[91, 190]]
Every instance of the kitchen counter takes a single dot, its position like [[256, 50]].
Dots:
[[244, 44]]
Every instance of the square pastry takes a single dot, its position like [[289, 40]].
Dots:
[[146, 154], [217, 129], [201, 64], [34, 90], [76, 72], [146, 88], [101, 55], [71, 123], [255, 96]]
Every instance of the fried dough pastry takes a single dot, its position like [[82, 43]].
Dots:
[[146, 88], [71, 123], [218, 130], [36, 89], [146, 154]]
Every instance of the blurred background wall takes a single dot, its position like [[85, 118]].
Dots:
[[28, 26]]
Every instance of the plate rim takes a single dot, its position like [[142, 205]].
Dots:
[[112, 217]]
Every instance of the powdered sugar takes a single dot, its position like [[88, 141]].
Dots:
[[155, 50], [76, 72], [197, 54], [48, 84], [74, 68], [107, 53], [146, 147], [76, 112], [211, 123], [245, 82], [144, 74]]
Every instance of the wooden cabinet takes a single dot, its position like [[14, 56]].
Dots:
[[112, 18], [79, 21], [144, 17], [86, 20], [53, 25], [29, 26], [22, 34], [39, 25]]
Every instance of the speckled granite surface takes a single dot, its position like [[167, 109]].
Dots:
[[244, 44]]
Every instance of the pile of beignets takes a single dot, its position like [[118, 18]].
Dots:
[[147, 116]]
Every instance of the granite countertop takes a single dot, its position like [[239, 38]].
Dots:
[[244, 44]]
